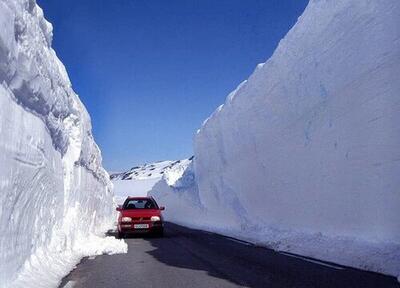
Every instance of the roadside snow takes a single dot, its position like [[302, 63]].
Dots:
[[139, 180], [303, 156], [47, 266], [56, 201], [177, 190]]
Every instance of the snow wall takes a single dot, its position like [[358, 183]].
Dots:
[[55, 197], [304, 156]]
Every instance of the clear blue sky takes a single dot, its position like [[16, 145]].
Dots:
[[149, 72]]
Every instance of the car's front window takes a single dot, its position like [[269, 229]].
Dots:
[[139, 204]]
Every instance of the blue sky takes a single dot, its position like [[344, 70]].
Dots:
[[149, 72]]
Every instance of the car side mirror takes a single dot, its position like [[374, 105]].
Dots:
[[162, 208], [119, 208]]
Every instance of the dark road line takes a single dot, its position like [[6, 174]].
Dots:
[[313, 260], [191, 258]]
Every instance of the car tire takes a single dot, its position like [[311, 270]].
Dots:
[[160, 233], [121, 235]]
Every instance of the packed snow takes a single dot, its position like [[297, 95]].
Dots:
[[177, 191], [55, 198], [304, 156], [139, 180]]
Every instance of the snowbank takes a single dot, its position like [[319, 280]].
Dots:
[[139, 180], [177, 190], [303, 156], [55, 197]]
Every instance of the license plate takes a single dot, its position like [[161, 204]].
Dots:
[[141, 226]]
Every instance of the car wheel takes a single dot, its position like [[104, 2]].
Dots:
[[120, 235], [160, 233]]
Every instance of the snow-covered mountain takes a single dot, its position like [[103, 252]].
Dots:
[[55, 196], [145, 171], [139, 180], [303, 156]]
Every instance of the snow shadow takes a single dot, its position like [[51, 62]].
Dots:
[[246, 265]]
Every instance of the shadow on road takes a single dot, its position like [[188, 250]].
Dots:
[[190, 258], [144, 236], [251, 266]]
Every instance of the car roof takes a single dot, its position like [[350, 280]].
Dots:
[[140, 197]]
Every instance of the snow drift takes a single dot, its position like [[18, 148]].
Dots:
[[304, 155], [139, 180], [55, 197], [178, 191]]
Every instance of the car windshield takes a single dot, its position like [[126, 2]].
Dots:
[[139, 204]]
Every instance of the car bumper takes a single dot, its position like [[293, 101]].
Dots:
[[129, 228]]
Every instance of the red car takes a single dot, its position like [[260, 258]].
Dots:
[[140, 215]]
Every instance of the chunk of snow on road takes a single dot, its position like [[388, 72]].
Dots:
[[70, 284], [46, 269]]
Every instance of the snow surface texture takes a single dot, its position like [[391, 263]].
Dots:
[[139, 180], [177, 190], [304, 155], [55, 197]]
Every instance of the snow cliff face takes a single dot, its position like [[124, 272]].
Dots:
[[303, 156], [177, 190], [55, 197], [313, 131]]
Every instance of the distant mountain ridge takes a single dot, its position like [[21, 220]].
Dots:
[[140, 180], [146, 171]]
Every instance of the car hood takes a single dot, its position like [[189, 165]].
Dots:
[[140, 213]]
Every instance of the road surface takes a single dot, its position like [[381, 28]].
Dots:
[[190, 258]]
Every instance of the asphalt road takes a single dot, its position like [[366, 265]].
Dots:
[[191, 258]]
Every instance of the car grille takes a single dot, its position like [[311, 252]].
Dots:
[[141, 218]]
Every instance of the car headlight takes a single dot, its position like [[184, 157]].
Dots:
[[126, 219], [155, 218]]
